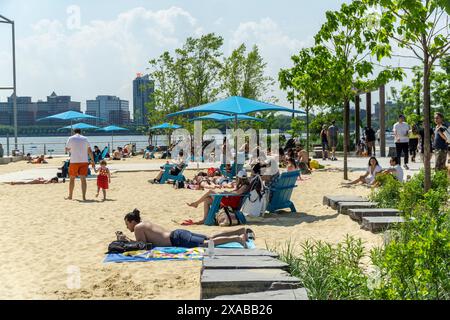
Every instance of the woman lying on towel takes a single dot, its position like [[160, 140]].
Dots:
[[159, 237], [208, 181], [36, 181], [242, 187]]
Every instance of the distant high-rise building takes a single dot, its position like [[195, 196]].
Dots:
[[56, 104], [143, 88], [109, 108], [26, 111]]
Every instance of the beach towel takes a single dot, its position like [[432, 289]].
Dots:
[[169, 253]]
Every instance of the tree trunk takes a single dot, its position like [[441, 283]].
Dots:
[[369, 109], [426, 122], [307, 128], [346, 135], [357, 119], [382, 116]]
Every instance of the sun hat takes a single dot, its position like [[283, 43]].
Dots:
[[242, 174]]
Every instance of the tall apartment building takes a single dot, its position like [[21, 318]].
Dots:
[[143, 88], [55, 104], [109, 108], [26, 112]]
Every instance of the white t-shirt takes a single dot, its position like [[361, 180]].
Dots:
[[398, 172], [401, 131], [78, 146], [371, 175]]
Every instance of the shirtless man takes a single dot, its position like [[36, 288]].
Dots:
[[160, 237]]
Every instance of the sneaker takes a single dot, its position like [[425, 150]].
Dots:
[[406, 167]]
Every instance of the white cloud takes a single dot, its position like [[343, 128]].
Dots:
[[101, 57], [275, 46]]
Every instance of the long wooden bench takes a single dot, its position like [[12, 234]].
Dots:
[[343, 207], [376, 224], [218, 282], [292, 294], [358, 214], [332, 201]]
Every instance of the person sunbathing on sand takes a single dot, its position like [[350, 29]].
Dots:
[[36, 181], [242, 187], [38, 160], [160, 237]]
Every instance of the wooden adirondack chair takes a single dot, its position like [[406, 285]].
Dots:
[[231, 174], [215, 206], [281, 191], [167, 176]]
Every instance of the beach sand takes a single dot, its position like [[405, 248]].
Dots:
[[46, 239]]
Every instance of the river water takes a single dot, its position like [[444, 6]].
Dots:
[[37, 145]]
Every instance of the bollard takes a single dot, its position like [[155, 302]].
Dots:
[[7, 144]]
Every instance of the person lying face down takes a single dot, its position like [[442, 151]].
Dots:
[[150, 232]]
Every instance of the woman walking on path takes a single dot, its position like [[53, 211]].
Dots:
[[324, 138], [413, 142]]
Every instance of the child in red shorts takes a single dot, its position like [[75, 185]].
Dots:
[[103, 178]]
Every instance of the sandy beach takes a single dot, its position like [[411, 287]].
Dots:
[[46, 236]]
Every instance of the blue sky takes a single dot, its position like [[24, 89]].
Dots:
[[115, 39]]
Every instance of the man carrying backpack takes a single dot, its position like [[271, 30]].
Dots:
[[441, 141]]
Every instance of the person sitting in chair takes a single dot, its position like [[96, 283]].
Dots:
[[242, 187], [178, 165], [158, 236]]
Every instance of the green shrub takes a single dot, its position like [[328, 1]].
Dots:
[[388, 194], [415, 263], [327, 271]]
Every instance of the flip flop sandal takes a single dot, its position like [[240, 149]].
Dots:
[[250, 234], [188, 222]]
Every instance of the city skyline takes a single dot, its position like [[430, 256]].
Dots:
[[84, 50]]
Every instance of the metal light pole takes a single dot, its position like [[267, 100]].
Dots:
[[6, 20]]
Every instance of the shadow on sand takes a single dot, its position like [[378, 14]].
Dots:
[[287, 219]]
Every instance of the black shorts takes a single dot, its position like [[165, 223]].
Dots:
[[186, 239], [175, 171]]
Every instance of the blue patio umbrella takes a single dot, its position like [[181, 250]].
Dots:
[[235, 106], [112, 129], [80, 125], [165, 125], [69, 115], [223, 118]]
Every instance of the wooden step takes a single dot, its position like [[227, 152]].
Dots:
[[332, 201], [343, 207], [244, 252], [376, 224], [240, 262], [293, 294], [358, 214], [219, 282]]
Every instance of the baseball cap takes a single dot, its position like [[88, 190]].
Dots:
[[242, 174]]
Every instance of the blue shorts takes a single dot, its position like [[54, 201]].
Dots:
[[186, 239]]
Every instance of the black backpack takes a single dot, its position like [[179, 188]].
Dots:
[[124, 246]]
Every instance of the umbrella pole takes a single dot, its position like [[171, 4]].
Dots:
[[235, 145], [112, 140]]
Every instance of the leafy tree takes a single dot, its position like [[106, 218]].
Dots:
[[423, 28], [305, 79], [350, 37], [243, 74]]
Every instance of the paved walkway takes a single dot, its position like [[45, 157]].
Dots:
[[354, 164], [49, 172]]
